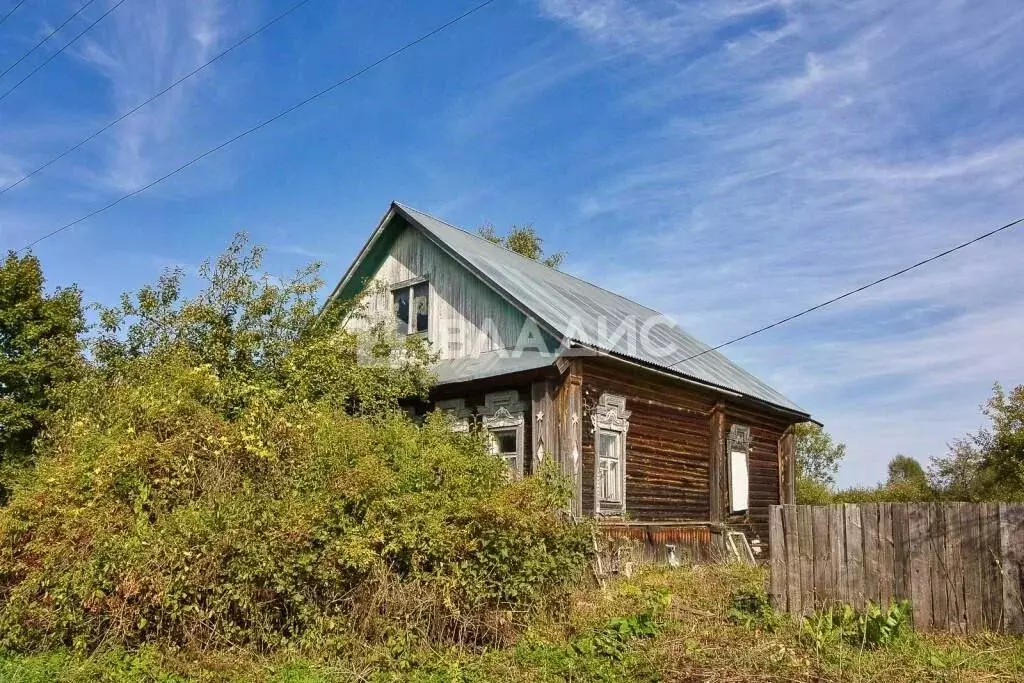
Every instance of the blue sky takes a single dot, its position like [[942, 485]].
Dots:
[[727, 163]]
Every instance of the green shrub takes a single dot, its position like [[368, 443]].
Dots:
[[869, 628], [751, 608], [227, 474]]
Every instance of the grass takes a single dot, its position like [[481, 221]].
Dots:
[[664, 625]]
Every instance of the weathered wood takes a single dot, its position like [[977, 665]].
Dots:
[[991, 568], [822, 581], [854, 556], [544, 420], [973, 557], [937, 565], [901, 551], [1011, 543], [805, 526], [716, 466], [956, 611], [787, 466], [837, 540], [777, 553], [886, 566], [791, 533], [920, 577], [871, 550]]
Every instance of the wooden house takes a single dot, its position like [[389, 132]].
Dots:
[[666, 441]]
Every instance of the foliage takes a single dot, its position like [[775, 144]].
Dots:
[[751, 608], [524, 240], [903, 468], [817, 454], [39, 349], [228, 475], [871, 627], [988, 465], [613, 639], [907, 483]]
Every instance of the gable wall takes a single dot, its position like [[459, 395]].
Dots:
[[466, 316]]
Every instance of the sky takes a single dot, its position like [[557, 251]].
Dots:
[[727, 163]]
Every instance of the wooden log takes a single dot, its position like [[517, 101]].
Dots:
[[718, 495], [792, 534], [777, 554], [920, 583], [1011, 533]]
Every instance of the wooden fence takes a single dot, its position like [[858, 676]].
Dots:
[[960, 564]]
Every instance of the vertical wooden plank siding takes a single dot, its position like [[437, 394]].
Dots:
[[1011, 542], [821, 580], [717, 495], [956, 611], [787, 466], [972, 556], [777, 555], [871, 550], [805, 528], [544, 419], [792, 535], [992, 576], [961, 565], [570, 441]]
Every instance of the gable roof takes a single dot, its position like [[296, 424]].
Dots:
[[571, 308]]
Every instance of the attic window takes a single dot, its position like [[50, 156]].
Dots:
[[412, 307]]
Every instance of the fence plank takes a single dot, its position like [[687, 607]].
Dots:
[[886, 566], [971, 553], [1011, 531], [992, 577], [872, 550], [920, 582], [792, 532], [805, 526], [956, 612], [837, 540], [937, 565], [822, 561], [777, 554], [901, 551], [854, 555]]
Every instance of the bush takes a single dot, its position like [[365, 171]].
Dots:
[[227, 474], [869, 628]]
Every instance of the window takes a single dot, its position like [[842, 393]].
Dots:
[[505, 443], [609, 463], [611, 423], [412, 307], [739, 473], [504, 416]]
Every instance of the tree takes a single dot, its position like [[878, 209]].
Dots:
[[987, 465], [903, 469], [817, 455], [523, 240], [39, 350]]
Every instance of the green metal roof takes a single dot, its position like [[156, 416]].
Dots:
[[574, 310]]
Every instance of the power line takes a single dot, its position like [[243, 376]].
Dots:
[[156, 96], [71, 42], [11, 11], [851, 292], [285, 112], [40, 43]]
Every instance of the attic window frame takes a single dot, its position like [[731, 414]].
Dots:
[[410, 287]]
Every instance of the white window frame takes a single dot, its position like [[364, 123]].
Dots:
[[738, 453], [502, 410], [610, 415], [410, 286]]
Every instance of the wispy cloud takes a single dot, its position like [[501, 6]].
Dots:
[[807, 147]]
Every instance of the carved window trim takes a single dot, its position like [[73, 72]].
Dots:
[[502, 410], [457, 412], [738, 454], [610, 415]]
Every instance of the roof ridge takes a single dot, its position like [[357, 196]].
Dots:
[[530, 260]]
